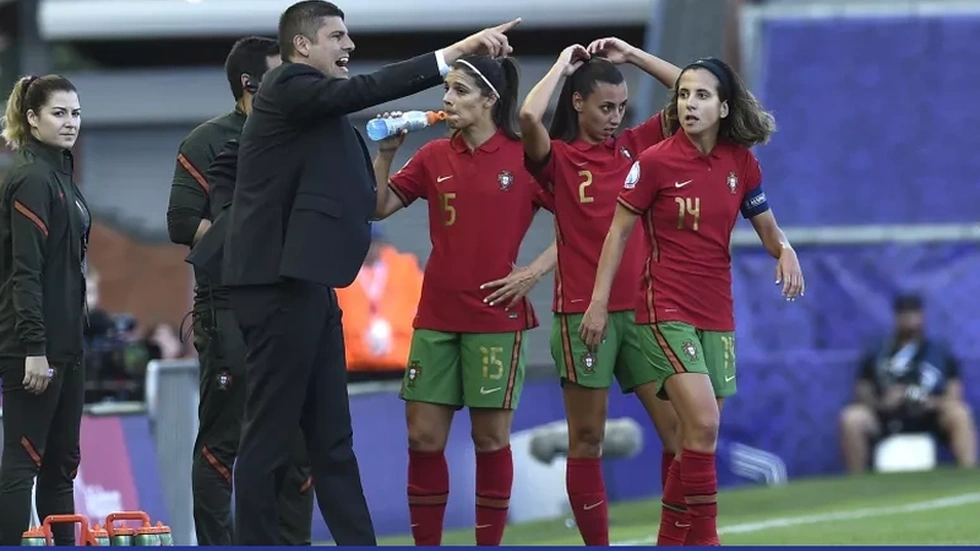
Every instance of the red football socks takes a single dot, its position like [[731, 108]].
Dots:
[[587, 495], [428, 490], [494, 478], [666, 458], [674, 520], [700, 482]]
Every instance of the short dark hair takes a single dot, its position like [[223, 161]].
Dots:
[[248, 56], [303, 18]]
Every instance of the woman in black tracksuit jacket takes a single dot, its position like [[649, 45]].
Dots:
[[44, 227]]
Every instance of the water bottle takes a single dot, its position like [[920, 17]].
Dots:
[[101, 536], [379, 129], [146, 536], [122, 537], [166, 538], [34, 537]]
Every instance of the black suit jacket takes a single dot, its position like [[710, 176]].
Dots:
[[207, 254], [305, 192]]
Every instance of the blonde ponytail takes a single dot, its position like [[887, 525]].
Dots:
[[14, 122]]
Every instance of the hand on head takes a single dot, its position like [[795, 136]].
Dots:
[[615, 50], [573, 57]]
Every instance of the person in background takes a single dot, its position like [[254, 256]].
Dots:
[[44, 230], [908, 383], [162, 342], [217, 338], [379, 308]]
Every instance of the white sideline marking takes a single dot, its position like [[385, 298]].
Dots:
[[854, 514]]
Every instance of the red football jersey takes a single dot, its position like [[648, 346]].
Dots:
[[689, 203], [481, 204], [586, 180]]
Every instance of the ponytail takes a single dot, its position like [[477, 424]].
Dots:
[[30, 93], [14, 123], [498, 78], [505, 112]]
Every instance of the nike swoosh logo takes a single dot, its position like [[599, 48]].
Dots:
[[481, 526], [488, 390], [682, 184], [729, 379], [593, 506], [443, 178]]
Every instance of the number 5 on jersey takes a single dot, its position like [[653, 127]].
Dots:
[[688, 207], [448, 208]]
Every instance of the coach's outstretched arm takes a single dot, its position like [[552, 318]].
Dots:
[[308, 94]]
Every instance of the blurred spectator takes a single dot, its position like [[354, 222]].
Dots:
[[163, 343], [115, 356], [909, 384], [379, 308], [100, 324]]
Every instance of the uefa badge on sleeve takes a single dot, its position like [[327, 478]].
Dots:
[[505, 179], [633, 177], [732, 182]]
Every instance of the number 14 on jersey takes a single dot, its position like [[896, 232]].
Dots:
[[688, 212]]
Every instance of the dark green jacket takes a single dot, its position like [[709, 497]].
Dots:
[[190, 193], [44, 227]]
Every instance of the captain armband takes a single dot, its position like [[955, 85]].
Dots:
[[754, 203]]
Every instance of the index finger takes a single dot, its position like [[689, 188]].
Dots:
[[504, 27], [496, 283]]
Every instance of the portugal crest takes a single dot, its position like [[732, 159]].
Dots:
[[732, 182], [224, 380], [505, 179], [690, 350], [414, 372], [588, 361]]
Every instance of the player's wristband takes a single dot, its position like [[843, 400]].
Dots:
[[441, 62]]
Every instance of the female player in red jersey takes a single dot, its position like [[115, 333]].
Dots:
[[466, 351], [689, 190], [583, 164]]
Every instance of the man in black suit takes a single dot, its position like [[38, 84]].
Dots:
[[299, 225]]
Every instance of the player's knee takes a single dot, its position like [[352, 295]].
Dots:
[[490, 439], [426, 439], [585, 441], [701, 431], [856, 418]]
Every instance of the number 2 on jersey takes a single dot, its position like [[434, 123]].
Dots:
[[491, 357], [688, 207], [584, 197], [448, 208]]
